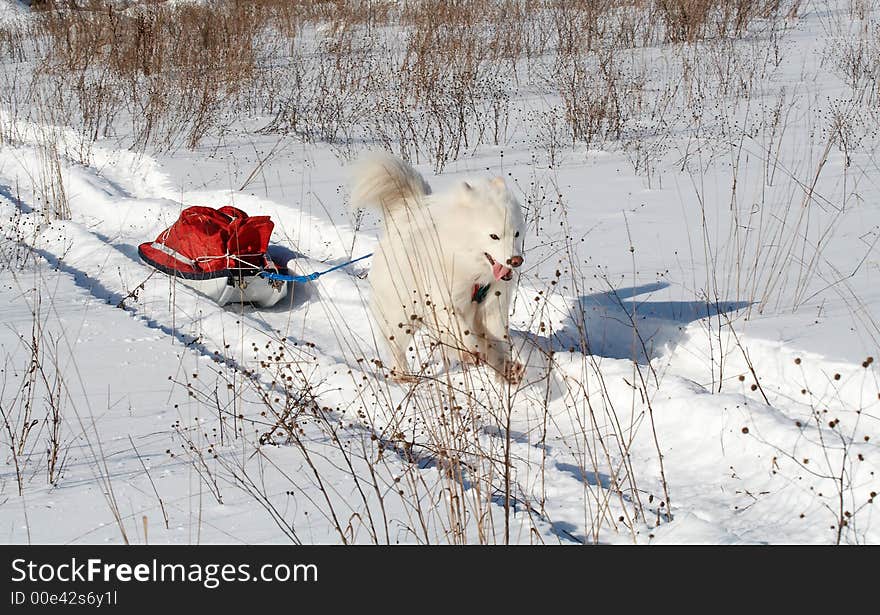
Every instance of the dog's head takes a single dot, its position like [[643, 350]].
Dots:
[[492, 224]]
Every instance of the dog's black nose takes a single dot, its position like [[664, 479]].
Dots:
[[515, 261]]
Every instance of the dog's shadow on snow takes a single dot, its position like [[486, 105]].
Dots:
[[616, 325]]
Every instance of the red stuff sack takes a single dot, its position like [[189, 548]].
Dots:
[[208, 243]]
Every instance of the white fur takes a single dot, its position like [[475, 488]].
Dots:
[[430, 257]]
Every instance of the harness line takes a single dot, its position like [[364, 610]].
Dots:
[[310, 277]]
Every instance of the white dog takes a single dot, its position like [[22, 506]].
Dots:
[[445, 263]]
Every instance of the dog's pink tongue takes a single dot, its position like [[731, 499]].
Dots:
[[499, 271]]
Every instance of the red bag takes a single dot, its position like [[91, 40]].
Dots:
[[209, 243]]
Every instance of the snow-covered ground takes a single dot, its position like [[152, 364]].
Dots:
[[697, 340]]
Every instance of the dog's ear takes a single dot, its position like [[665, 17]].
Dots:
[[498, 183]]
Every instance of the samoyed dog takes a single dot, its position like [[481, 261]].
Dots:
[[445, 264]]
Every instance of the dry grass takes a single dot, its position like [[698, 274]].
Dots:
[[159, 76]]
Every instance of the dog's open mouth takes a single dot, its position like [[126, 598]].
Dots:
[[498, 270]]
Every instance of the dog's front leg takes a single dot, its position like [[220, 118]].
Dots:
[[492, 323]]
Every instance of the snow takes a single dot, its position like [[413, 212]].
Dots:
[[738, 387]]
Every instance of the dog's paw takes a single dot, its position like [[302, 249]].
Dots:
[[514, 371], [472, 359]]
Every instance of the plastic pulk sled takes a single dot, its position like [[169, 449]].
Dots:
[[223, 254]]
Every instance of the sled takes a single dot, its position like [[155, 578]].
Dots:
[[221, 253]]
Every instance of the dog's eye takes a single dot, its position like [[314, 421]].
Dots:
[[516, 235], [494, 236]]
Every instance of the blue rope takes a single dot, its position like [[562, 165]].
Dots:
[[311, 277]]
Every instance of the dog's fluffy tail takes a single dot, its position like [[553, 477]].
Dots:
[[387, 182]]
